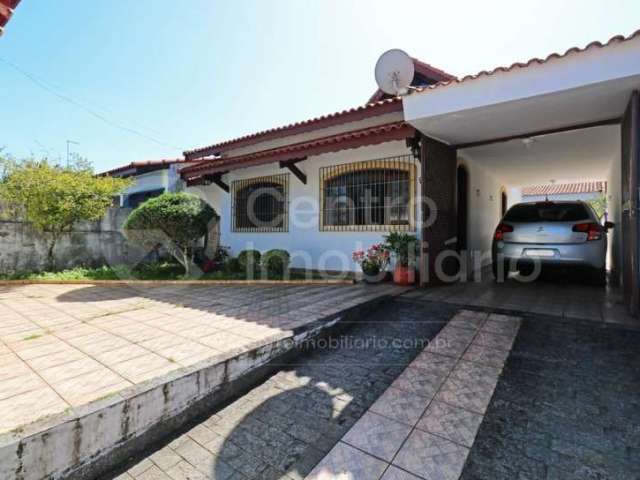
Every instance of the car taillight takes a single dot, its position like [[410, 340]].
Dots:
[[501, 230], [593, 230]]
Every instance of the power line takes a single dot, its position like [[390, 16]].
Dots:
[[42, 84]]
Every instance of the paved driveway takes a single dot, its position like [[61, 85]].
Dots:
[[560, 296], [62, 346], [283, 427], [566, 406]]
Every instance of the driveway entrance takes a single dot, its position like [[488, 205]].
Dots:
[[559, 297]]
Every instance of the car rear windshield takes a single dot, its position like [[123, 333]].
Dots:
[[547, 212]]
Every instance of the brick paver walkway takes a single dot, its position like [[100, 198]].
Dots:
[[62, 346], [424, 424], [285, 426], [567, 406]]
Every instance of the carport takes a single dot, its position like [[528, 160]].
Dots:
[[568, 117]]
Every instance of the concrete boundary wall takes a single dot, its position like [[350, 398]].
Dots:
[[89, 441], [23, 249]]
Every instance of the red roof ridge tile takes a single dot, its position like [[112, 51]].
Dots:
[[588, 186], [299, 127], [296, 147], [7, 8], [536, 60], [144, 163], [428, 66]]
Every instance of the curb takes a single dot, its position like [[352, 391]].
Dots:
[[176, 282]]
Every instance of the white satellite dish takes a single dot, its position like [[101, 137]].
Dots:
[[394, 72]]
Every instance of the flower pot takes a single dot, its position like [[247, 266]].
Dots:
[[371, 274], [404, 275]]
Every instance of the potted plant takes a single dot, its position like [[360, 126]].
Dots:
[[403, 247], [373, 262]]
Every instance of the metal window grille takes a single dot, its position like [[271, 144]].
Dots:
[[261, 204], [375, 195]]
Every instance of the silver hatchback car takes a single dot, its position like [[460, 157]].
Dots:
[[559, 234]]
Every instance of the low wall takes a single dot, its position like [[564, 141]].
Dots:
[[22, 249], [87, 442]]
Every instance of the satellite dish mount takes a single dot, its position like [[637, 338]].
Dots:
[[394, 72]]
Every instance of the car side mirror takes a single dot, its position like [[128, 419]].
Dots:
[[609, 225]]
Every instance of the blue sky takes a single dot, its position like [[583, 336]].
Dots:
[[184, 74]]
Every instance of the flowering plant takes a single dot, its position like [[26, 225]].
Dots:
[[374, 260]]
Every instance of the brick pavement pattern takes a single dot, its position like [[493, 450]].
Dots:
[[285, 426], [424, 424], [548, 296], [62, 346], [567, 406]]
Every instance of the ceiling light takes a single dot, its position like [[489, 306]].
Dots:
[[527, 142]]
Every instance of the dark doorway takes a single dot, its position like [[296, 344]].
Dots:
[[462, 206], [503, 202], [630, 204]]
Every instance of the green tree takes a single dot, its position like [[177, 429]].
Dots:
[[599, 205], [175, 221], [53, 198]]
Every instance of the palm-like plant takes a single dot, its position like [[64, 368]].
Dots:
[[403, 246]]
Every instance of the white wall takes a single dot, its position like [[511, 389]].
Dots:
[[308, 246], [484, 208], [149, 181]]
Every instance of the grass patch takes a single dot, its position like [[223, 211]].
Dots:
[[32, 337], [162, 271]]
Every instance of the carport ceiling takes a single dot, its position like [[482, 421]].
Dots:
[[582, 86], [564, 157], [578, 106]]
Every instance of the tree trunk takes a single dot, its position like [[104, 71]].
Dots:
[[51, 261], [187, 265]]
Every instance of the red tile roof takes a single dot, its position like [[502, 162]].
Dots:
[[345, 116], [6, 11], [144, 163], [565, 188], [538, 61], [370, 110], [332, 143], [424, 69]]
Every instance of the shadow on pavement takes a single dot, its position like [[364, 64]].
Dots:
[[283, 427]]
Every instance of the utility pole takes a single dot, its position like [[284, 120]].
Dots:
[[69, 142]]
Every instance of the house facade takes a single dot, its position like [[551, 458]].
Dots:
[[150, 179], [443, 163], [331, 185]]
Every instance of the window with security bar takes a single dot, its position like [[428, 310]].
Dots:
[[261, 204], [376, 195]]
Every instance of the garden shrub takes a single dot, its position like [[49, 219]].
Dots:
[[232, 265], [249, 260], [175, 221], [276, 262]]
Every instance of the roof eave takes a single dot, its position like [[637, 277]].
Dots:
[[346, 116], [343, 141]]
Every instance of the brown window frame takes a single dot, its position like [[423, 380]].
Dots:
[[237, 186], [405, 163]]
